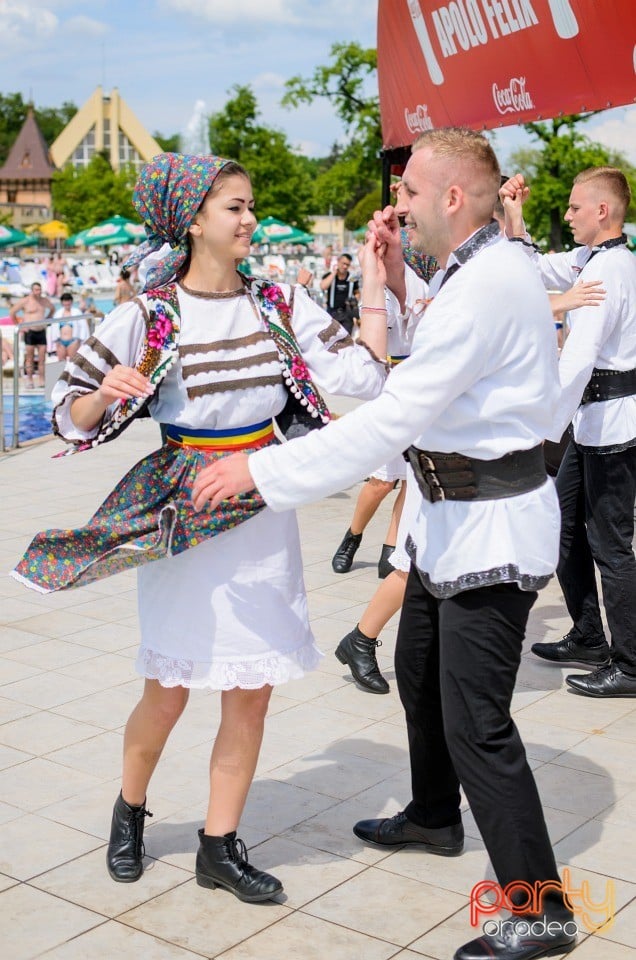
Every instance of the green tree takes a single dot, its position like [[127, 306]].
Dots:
[[349, 83], [83, 197], [550, 170], [13, 112], [364, 209], [168, 144], [281, 178]]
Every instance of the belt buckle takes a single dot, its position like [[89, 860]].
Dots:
[[431, 479]]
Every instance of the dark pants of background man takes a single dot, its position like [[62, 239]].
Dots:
[[596, 493], [456, 662]]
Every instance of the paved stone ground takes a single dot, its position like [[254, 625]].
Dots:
[[332, 754]]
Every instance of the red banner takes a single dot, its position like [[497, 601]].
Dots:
[[490, 63]]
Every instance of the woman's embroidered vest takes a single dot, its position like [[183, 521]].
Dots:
[[161, 349]]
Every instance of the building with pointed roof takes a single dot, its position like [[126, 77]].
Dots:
[[105, 124], [25, 178]]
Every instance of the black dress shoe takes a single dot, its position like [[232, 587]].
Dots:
[[358, 652], [571, 649], [125, 854], [343, 557], [521, 938], [223, 862], [608, 681], [385, 567], [398, 830]]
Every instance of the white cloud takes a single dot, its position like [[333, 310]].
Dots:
[[302, 13], [268, 81], [616, 130], [239, 11], [22, 25], [86, 26]]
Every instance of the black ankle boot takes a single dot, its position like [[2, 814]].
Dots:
[[125, 854], [358, 652], [343, 557], [385, 567], [222, 862]]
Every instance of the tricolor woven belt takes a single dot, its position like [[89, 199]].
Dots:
[[240, 438]]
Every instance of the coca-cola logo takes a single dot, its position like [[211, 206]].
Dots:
[[514, 98], [418, 120]]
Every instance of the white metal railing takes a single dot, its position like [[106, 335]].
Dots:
[[17, 330]]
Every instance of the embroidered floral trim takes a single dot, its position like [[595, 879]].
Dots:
[[223, 675], [276, 313], [506, 573]]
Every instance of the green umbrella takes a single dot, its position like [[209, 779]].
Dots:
[[115, 229], [271, 230], [10, 237]]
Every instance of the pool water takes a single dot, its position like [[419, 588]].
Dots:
[[34, 417]]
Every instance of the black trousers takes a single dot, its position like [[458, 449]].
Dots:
[[456, 663], [596, 494]]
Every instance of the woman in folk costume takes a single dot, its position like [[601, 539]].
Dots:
[[213, 356]]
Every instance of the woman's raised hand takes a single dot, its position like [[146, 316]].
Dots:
[[123, 383]]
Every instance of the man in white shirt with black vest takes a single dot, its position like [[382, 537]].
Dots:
[[474, 401], [596, 482]]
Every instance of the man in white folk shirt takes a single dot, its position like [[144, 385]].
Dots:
[[596, 482], [481, 385]]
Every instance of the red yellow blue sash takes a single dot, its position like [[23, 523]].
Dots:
[[239, 438]]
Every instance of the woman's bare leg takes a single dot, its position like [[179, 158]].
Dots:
[[386, 601], [396, 513], [147, 731], [369, 499], [235, 756]]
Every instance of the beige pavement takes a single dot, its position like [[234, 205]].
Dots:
[[332, 754]]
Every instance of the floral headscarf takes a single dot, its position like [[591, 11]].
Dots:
[[423, 265], [168, 194]]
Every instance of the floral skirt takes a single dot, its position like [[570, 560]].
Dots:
[[148, 516]]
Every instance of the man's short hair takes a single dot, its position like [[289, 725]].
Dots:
[[614, 182], [66, 296], [469, 147], [347, 256], [36, 283]]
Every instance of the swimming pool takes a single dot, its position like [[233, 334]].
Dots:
[[34, 417]]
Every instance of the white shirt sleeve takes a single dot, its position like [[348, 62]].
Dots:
[[338, 365], [118, 339], [415, 395]]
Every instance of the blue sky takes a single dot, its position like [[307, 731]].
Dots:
[[165, 55]]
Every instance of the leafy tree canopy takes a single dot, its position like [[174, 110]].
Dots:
[[281, 178], [550, 170], [352, 171], [168, 144], [13, 112], [83, 197]]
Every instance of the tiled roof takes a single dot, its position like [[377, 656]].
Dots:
[[29, 156]]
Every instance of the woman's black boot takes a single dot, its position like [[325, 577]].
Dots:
[[385, 567], [222, 862], [125, 854]]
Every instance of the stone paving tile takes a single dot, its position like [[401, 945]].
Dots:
[[364, 901], [311, 938], [207, 922], [332, 754], [85, 882], [26, 937], [30, 845], [113, 939]]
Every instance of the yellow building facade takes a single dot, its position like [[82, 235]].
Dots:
[[105, 123]]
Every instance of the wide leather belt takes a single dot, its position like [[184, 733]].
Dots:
[[609, 384], [452, 476]]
